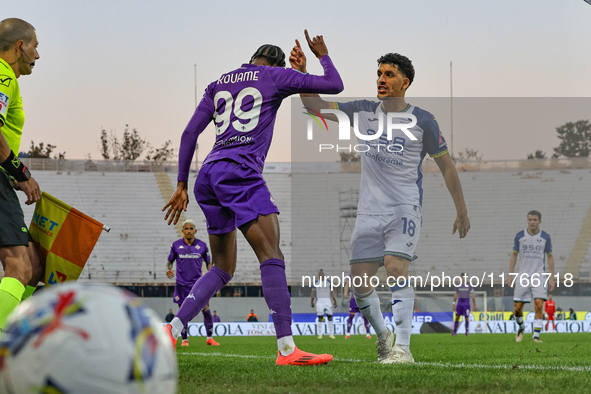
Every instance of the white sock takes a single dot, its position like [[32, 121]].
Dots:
[[538, 323], [369, 305], [402, 308], [330, 327], [286, 345], [177, 327], [319, 327]]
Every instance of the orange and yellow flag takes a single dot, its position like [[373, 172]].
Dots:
[[66, 237]]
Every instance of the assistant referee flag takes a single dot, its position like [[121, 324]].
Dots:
[[66, 236]]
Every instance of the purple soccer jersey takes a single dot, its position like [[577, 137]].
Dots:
[[464, 293], [243, 105], [189, 260]]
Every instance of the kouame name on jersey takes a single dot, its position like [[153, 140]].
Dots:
[[532, 251], [189, 260], [391, 171], [243, 104]]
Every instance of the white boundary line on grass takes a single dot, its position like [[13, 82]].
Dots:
[[444, 365]]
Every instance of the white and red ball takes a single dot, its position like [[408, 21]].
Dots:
[[85, 338]]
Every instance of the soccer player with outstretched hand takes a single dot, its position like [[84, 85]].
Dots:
[[389, 213], [230, 189]]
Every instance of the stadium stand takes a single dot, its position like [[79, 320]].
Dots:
[[135, 250]]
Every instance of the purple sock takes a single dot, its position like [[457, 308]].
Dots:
[[184, 333], [350, 322], [366, 322], [277, 295], [208, 321], [202, 291], [456, 323], [467, 323]]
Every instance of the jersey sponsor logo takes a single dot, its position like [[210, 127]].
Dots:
[[190, 296], [181, 247], [5, 80], [385, 160], [190, 256]]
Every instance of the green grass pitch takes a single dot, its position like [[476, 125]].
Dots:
[[444, 364]]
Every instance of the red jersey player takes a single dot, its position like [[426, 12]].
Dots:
[[550, 308]]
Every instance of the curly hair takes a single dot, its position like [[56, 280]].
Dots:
[[404, 64]]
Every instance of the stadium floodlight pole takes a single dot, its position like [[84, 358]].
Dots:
[[451, 102]]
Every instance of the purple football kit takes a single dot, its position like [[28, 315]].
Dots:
[[189, 262], [354, 309], [463, 293], [230, 189]]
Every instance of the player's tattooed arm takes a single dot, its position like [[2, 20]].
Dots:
[[169, 271], [452, 181]]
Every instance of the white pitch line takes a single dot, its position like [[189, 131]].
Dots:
[[444, 365]]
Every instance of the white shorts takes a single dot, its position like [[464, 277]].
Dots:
[[323, 305], [396, 234], [525, 294]]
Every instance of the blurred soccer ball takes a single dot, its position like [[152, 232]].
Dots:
[[82, 338]]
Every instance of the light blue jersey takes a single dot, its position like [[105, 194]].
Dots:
[[532, 251], [391, 172]]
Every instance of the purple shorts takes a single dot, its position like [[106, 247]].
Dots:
[[180, 293], [462, 309], [353, 308], [231, 195]]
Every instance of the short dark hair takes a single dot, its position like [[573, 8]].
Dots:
[[535, 213], [12, 30], [404, 64]]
